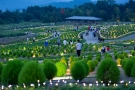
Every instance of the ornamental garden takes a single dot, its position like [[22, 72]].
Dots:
[[28, 65]]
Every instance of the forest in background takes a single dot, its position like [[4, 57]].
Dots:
[[108, 10]]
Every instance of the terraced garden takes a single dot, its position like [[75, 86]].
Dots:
[[31, 65]]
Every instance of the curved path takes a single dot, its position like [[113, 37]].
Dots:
[[90, 39], [123, 38]]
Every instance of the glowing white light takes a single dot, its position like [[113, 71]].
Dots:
[[44, 83], [84, 84], [32, 85], [70, 84], [65, 82], [2, 87], [109, 81], [101, 81], [90, 84], [56, 84]]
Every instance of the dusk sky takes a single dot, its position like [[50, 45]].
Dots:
[[19, 4]]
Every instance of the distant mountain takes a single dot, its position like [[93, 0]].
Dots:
[[70, 4]]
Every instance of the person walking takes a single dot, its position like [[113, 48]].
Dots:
[[46, 43], [58, 41], [64, 42], [78, 48]]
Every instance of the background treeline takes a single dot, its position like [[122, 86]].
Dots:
[[108, 10]]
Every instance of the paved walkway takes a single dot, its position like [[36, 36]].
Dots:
[[123, 38], [90, 39]]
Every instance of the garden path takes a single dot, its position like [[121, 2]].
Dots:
[[123, 38], [89, 38]]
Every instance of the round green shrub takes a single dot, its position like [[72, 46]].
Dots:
[[116, 55], [98, 57], [123, 62], [121, 56], [86, 67], [132, 58], [78, 71], [11, 72], [72, 64], [133, 53], [108, 55], [128, 66], [91, 65], [96, 62], [89, 57], [46, 60], [1, 67], [61, 69], [30, 73], [125, 54], [108, 71], [133, 71], [50, 70]]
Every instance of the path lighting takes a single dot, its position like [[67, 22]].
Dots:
[[32, 85], [2, 87], [84, 84], [90, 84], [70, 84], [56, 84], [44, 83]]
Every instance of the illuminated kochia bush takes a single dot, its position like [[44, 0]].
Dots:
[[10, 72], [61, 69], [30, 73], [108, 71], [50, 70]]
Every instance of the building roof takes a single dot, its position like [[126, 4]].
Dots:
[[82, 18]]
